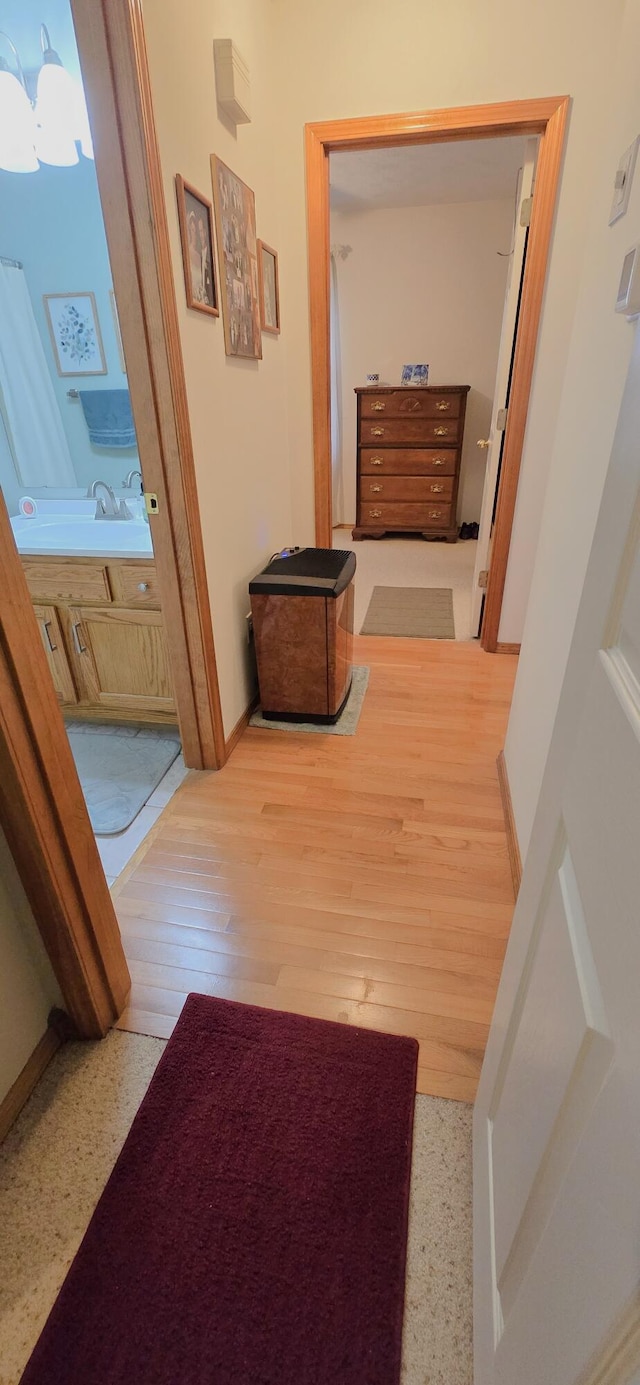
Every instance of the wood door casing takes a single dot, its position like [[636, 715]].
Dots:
[[121, 658], [54, 648]]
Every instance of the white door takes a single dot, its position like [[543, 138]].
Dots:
[[503, 378], [557, 1118]]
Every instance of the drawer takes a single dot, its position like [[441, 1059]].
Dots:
[[382, 432], [135, 584], [407, 461], [410, 404], [426, 488], [64, 580], [387, 515]]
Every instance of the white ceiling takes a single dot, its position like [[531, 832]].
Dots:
[[476, 170]]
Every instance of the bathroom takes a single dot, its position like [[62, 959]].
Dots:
[[70, 471]]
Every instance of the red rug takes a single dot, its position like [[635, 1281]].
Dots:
[[254, 1227]]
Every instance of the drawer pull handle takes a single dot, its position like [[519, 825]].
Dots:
[[377, 461], [46, 627], [441, 432], [79, 646], [375, 488], [375, 514], [377, 432], [378, 406], [436, 489], [143, 586], [435, 514], [438, 461], [443, 405]]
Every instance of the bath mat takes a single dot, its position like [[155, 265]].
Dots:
[[421, 613], [118, 770], [254, 1227], [347, 722]]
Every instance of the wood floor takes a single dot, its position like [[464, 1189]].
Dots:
[[362, 879]]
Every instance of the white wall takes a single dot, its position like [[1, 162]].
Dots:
[[237, 407], [577, 453], [28, 988], [423, 284]]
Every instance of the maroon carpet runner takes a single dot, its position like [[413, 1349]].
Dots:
[[254, 1227]]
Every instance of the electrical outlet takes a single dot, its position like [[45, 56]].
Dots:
[[249, 628]]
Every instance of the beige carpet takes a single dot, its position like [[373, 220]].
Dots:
[[58, 1156], [420, 613], [412, 562]]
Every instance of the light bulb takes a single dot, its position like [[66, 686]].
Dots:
[[56, 116], [17, 126]]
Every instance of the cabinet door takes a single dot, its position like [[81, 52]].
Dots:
[[52, 639], [120, 659]]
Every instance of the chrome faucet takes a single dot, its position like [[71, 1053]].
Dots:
[[108, 508], [128, 480]]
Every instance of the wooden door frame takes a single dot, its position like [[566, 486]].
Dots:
[[42, 809], [545, 117]]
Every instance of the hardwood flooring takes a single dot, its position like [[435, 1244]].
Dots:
[[364, 879]]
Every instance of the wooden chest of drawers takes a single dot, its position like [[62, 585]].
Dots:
[[409, 450]]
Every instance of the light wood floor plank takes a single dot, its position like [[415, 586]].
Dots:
[[361, 879]]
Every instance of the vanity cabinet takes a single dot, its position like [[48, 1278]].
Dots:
[[103, 635]]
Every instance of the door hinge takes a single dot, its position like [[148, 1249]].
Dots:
[[525, 211], [501, 420], [483, 578]]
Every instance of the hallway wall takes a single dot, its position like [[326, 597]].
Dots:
[[28, 988]]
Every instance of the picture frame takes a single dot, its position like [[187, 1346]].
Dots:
[[195, 217], [269, 286], [235, 217], [74, 329], [116, 325], [415, 374]]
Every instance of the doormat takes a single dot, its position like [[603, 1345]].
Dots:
[[420, 613], [254, 1227], [347, 721], [118, 771]]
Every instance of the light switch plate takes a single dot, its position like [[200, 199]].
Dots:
[[623, 180]]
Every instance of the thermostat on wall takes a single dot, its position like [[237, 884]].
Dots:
[[628, 300]]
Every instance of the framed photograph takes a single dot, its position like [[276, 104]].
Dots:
[[72, 319], [415, 374], [116, 324], [196, 235], [269, 288], [238, 259]]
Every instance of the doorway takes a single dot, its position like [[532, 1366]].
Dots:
[[519, 120]]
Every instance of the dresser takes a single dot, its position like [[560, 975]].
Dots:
[[409, 450]]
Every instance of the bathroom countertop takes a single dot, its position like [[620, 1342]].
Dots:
[[77, 536]]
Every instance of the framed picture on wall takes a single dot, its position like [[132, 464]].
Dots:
[[72, 319], [116, 324], [238, 258], [269, 288], [196, 234]]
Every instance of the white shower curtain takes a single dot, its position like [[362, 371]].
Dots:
[[336, 400], [36, 434]]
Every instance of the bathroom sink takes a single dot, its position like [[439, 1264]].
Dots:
[[82, 535]]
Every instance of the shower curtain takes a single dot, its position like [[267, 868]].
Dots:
[[336, 400], [36, 435]]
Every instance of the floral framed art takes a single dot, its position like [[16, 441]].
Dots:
[[269, 288], [235, 207], [196, 236], [74, 329]]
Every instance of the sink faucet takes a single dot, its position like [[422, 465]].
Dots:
[[108, 508], [128, 480]]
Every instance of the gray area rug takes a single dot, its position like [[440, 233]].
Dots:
[[346, 726], [119, 768], [421, 613]]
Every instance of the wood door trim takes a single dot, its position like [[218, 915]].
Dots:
[[546, 117], [19, 1093], [114, 63], [45, 820], [515, 860]]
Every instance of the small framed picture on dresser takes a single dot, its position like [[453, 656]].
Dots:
[[415, 375]]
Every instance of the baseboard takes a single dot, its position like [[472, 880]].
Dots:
[[19, 1093], [240, 726], [515, 860], [503, 648]]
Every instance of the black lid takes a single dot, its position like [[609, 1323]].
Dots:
[[309, 572]]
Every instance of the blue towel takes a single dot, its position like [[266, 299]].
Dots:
[[108, 417]]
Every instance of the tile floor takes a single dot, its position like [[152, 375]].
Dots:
[[116, 851], [412, 562]]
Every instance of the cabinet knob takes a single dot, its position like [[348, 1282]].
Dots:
[[377, 461], [438, 461], [441, 432], [375, 514], [378, 406], [436, 489], [143, 586], [375, 488], [379, 432], [435, 514], [443, 405]]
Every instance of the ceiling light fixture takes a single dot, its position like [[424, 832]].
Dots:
[[48, 129], [17, 121]]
